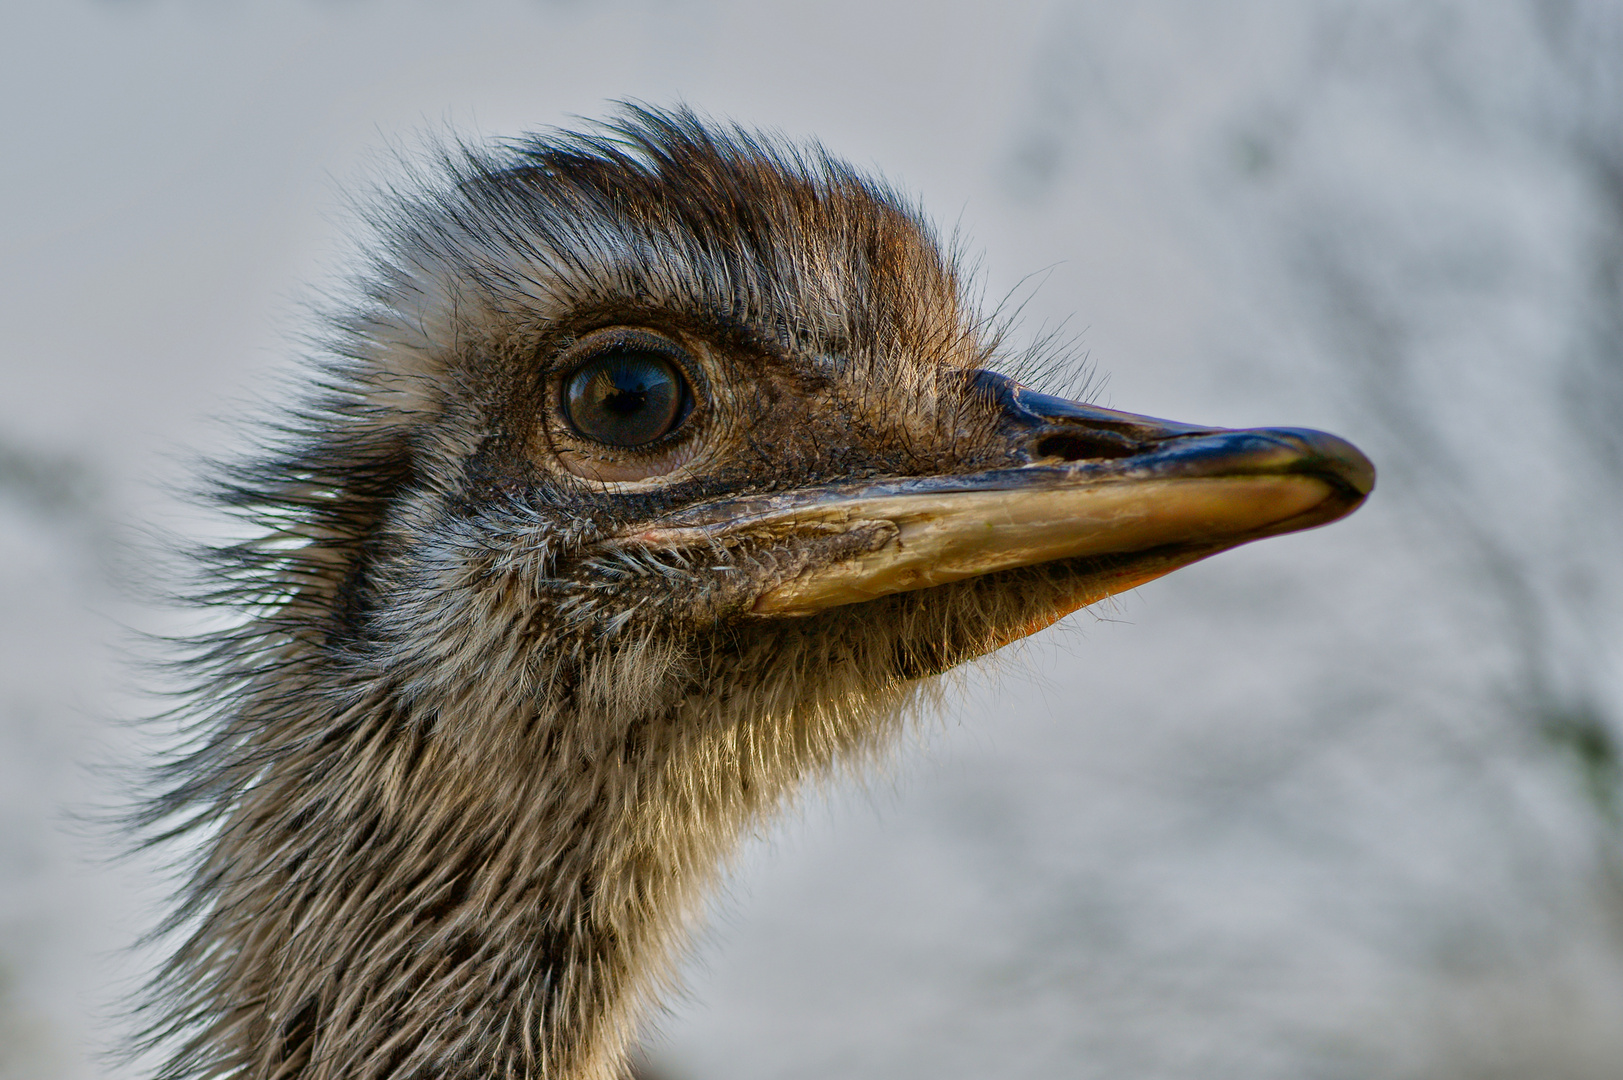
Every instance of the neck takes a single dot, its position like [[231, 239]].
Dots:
[[477, 879]]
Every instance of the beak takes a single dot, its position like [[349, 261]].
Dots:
[[1136, 496]]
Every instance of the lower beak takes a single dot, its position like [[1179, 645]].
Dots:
[[1141, 496]]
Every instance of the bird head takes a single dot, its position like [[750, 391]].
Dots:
[[653, 470], [693, 409]]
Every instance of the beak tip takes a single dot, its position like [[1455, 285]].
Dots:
[[1333, 457]]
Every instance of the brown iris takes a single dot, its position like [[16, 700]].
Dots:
[[626, 396]]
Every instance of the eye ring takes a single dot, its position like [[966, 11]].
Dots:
[[629, 392]]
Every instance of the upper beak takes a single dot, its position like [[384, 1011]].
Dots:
[[1141, 496]]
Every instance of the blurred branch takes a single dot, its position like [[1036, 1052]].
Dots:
[[56, 486]]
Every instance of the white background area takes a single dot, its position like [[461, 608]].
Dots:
[[1343, 804]]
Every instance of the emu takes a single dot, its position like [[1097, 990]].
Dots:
[[654, 470]]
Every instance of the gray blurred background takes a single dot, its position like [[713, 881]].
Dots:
[[1343, 804]]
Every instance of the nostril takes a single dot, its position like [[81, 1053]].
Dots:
[[1071, 446]]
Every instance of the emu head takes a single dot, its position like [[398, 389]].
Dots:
[[657, 470]]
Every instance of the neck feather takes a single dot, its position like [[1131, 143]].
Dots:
[[479, 878]]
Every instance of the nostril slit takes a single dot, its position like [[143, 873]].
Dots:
[[1074, 447]]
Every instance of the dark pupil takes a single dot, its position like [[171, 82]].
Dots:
[[624, 397]]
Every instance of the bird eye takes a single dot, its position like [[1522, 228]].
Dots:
[[626, 396]]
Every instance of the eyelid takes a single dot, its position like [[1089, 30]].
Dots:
[[588, 346]]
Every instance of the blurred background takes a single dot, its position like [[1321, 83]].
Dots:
[[1345, 804]]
